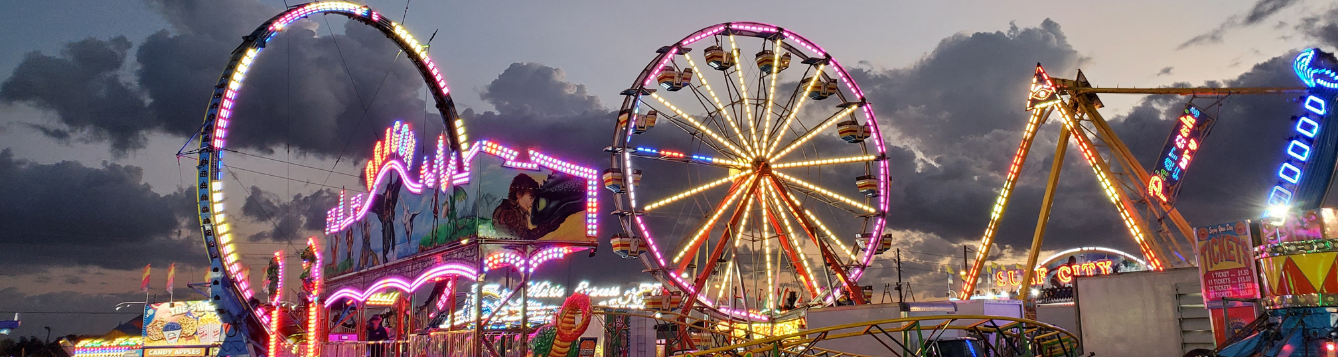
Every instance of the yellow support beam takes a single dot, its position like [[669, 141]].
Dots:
[[1072, 87], [1046, 203], [1107, 135]]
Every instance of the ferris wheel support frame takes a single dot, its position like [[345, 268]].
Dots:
[[1081, 106]]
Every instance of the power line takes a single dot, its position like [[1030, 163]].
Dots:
[[290, 163], [293, 179], [131, 312]]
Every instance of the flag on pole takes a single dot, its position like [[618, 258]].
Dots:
[[171, 274], [144, 282]]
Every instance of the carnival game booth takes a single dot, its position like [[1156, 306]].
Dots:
[[181, 329], [433, 227]]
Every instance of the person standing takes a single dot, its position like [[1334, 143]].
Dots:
[[376, 333]]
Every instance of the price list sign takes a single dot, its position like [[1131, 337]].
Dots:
[[1225, 263]]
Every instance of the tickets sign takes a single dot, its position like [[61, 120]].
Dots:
[[1225, 264]]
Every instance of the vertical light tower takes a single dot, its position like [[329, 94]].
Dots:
[[276, 296], [1299, 252], [311, 262]]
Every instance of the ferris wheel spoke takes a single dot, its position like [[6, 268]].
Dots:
[[743, 92], [696, 190], [825, 250], [720, 107], [766, 252], [695, 242], [725, 278], [791, 246], [704, 129], [815, 131], [642, 152], [771, 91], [828, 233], [814, 188], [824, 199], [731, 229], [823, 162], [789, 117]]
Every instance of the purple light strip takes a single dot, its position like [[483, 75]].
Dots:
[[395, 282]]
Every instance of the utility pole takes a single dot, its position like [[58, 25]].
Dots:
[[965, 259], [901, 296]]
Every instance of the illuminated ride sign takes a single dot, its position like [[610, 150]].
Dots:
[[395, 153], [1061, 268], [1180, 149], [383, 299], [1307, 166], [543, 299]]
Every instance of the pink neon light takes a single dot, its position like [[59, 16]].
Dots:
[[656, 73], [395, 282], [703, 34], [513, 259]]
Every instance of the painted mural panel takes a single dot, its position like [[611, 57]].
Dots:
[[414, 205]]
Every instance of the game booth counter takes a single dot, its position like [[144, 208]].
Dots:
[[169, 329]]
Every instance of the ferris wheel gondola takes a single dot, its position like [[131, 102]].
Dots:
[[754, 183]]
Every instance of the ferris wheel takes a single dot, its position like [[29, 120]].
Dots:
[[748, 168]]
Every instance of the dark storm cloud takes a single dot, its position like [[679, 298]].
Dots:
[[66, 214], [1322, 27], [318, 92], [297, 218], [537, 106], [1165, 71], [960, 107], [1265, 8], [960, 89], [1261, 11], [83, 88], [532, 88]]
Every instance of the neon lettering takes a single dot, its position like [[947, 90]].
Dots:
[[1104, 265], [1088, 269], [1065, 274]]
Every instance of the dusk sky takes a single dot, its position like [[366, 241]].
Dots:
[[96, 97]]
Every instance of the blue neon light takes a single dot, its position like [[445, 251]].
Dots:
[[1307, 127], [1315, 105], [1302, 154], [1279, 196], [1289, 173], [1312, 76], [1307, 168]]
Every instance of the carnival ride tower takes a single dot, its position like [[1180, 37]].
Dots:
[[1298, 254]]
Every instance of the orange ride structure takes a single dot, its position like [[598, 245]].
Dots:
[[1144, 199]]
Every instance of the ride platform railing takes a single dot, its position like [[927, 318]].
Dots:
[[916, 336]]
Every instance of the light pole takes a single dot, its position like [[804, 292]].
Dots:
[[128, 303]]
